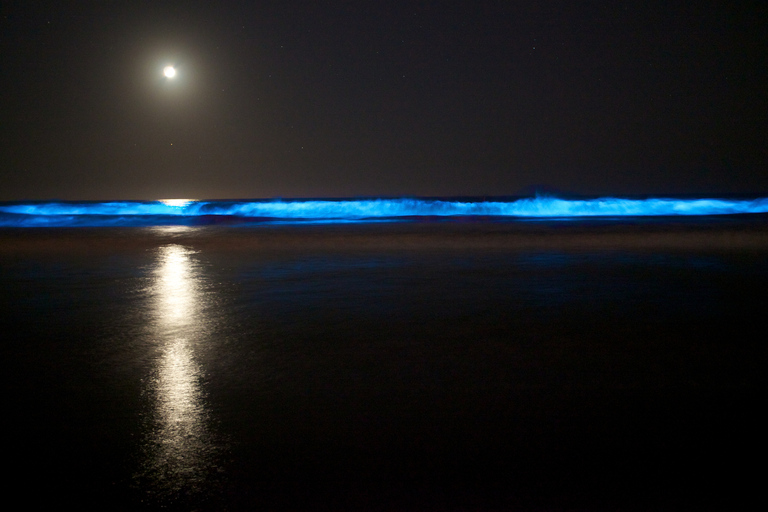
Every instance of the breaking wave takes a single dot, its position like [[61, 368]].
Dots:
[[194, 212]]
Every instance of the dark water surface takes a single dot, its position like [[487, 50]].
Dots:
[[386, 367]]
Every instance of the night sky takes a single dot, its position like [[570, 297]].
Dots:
[[381, 98]]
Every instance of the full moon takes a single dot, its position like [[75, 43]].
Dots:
[[169, 71]]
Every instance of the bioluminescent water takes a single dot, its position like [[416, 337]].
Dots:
[[193, 212]]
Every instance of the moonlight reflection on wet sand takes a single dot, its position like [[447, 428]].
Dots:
[[180, 448]]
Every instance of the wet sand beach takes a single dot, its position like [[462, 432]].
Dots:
[[597, 365]]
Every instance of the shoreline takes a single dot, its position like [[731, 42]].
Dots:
[[719, 235]]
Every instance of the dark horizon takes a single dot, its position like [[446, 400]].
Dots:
[[405, 98]]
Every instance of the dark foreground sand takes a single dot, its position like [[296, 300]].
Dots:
[[431, 366]]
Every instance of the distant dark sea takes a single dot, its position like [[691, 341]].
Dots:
[[385, 354]]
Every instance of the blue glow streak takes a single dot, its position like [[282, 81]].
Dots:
[[149, 213]]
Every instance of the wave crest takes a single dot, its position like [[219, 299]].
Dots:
[[24, 214]]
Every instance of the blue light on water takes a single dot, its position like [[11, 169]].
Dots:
[[180, 212]]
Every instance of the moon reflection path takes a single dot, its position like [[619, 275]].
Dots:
[[180, 450]]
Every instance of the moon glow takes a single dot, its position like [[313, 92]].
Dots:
[[169, 71]]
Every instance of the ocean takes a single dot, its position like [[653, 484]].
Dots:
[[385, 354]]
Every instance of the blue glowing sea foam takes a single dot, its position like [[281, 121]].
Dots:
[[141, 213]]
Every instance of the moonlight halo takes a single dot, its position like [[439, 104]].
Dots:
[[169, 71]]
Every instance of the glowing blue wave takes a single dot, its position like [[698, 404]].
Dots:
[[146, 213]]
